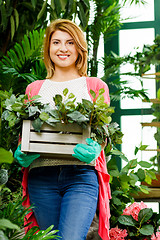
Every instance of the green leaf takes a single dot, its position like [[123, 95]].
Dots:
[[147, 230], [86, 2], [145, 164], [141, 174], [136, 150], [148, 179], [77, 116], [114, 173], [16, 18], [34, 2], [44, 116], [144, 189], [12, 27], [33, 110], [5, 156], [105, 119], [42, 11], [101, 91], [65, 91], [3, 236], [133, 163], [87, 104], [37, 123], [93, 94], [5, 223], [143, 147], [116, 201], [3, 176], [100, 100], [120, 154], [17, 107], [71, 95], [58, 7], [57, 99], [144, 215], [82, 15], [54, 113], [127, 220]]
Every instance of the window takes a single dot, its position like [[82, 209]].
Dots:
[[140, 26]]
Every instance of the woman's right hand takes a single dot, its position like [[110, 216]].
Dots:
[[25, 159]]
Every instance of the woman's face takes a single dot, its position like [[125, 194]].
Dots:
[[63, 52]]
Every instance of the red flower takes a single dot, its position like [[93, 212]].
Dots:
[[134, 209], [117, 234]]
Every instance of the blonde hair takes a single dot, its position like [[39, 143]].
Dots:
[[79, 39]]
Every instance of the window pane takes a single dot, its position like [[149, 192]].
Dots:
[[134, 134], [131, 41], [138, 12]]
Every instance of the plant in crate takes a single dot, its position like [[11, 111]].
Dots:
[[97, 114]]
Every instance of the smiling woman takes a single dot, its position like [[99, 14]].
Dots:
[[65, 193]]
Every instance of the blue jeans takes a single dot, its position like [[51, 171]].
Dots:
[[66, 197]]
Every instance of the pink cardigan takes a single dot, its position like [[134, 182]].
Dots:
[[103, 177]]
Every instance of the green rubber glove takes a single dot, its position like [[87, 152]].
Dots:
[[25, 159], [87, 153]]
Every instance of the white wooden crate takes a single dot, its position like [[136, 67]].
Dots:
[[57, 141]]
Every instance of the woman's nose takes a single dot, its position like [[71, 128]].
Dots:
[[63, 48]]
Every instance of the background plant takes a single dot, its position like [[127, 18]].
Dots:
[[126, 183], [139, 221]]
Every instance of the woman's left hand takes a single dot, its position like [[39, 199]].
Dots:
[[87, 152]]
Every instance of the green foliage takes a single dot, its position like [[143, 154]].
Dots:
[[145, 226], [70, 9], [106, 20], [12, 224], [67, 110], [16, 19], [127, 182], [112, 64], [23, 63]]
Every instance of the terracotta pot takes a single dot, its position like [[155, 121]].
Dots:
[[155, 182]]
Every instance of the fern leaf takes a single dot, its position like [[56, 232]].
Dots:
[[20, 52], [27, 45], [6, 61], [24, 48], [11, 56], [14, 58], [31, 41]]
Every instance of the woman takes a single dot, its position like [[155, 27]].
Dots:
[[66, 193]]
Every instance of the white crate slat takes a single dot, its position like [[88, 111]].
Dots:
[[59, 140], [25, 135], [50, 148], [56, 137], [60, 127]]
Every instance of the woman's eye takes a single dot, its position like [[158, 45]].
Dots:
[[55, 42], [70, 42]]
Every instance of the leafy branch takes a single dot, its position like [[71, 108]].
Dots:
[[66, 110]]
